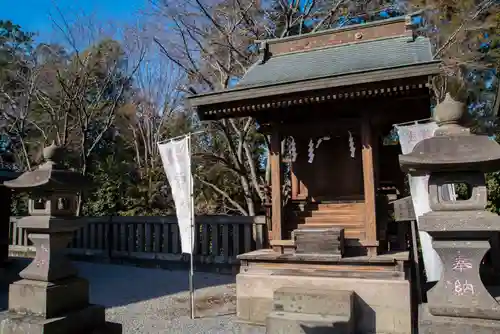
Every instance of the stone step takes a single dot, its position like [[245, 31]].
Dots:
[[314, 301], [299, 323]]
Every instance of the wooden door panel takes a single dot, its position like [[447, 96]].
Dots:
[[333, 174]]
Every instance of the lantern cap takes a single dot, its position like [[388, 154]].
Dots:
[[50, 175], [453, 147]]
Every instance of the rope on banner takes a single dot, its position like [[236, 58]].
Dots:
[[414, 122], [181, 136]]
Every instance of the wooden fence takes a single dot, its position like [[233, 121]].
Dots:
[[218, 239]]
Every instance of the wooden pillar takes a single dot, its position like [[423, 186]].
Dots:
[[276, 182], [303, 192], [295, 182], [376, 148], [369, 186]]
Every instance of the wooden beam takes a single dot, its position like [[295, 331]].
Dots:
[[369, 185], [303, 191], [319, 126], [276, 182]]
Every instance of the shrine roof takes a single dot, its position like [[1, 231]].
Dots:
[[343, 59], [359, 55]]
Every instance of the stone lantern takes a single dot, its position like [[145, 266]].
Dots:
[[462, 229], [50, 297]]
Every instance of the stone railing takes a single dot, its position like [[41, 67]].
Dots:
[[218, 239]]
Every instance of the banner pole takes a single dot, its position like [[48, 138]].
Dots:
[[191, 264]]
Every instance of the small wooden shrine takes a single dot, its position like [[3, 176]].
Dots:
[[334, 97], [336, 94]]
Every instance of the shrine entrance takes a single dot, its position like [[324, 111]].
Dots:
[[333, 159], [322, 176]]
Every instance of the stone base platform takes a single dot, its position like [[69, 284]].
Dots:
[[89, 320], [429, 324], [382, 301]]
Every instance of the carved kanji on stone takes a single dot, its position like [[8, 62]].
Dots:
[[461, 263]]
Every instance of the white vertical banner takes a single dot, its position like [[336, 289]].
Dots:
[[409, 136], [176, 158]]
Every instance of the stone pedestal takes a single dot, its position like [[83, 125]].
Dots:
[[50, 298], [459, 302], [462, 230]]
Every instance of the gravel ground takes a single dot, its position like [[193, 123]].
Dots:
[[150, 301]]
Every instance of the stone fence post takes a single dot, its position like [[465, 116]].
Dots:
[[5, 213]]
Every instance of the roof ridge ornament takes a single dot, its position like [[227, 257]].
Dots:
[[410, 28], [264, 53]]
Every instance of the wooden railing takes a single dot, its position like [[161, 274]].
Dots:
[[218, 239]]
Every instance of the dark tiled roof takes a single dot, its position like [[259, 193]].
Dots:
[[341, 59]]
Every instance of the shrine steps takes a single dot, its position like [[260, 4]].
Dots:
[[330, 218], [340, 207], [304, 310], [347, 215]]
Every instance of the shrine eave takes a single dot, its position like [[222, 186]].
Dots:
[[240, 101]]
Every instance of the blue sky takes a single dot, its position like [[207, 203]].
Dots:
[[34, 15]]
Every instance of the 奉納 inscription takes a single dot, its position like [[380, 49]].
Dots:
[[461, 263], [463, 288]]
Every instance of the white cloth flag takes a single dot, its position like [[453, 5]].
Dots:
[[176, 160], [409, 136]]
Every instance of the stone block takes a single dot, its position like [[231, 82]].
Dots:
[[377, 302], [300, 323], [90, 319], [46, 299], [319, 241], [314, 301]]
